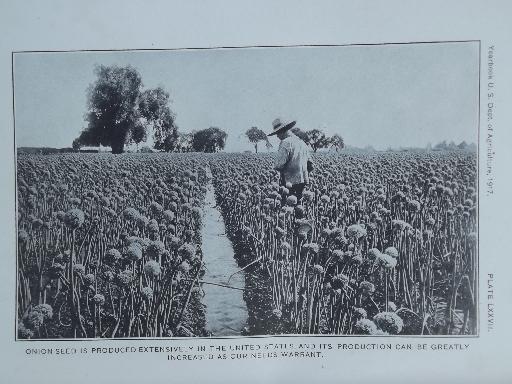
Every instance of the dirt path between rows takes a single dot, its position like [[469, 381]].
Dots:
[[226, 311]]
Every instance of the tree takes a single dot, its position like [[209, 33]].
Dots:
[[210, 140], [337, 142], [255, 135], [317, 139], [184, 142], [139, 133], [119, 112], [112, 107], [442, 146], [154, 106], [76, 144], [463, 145]]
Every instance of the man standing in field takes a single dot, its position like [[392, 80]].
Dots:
[[293, 159]]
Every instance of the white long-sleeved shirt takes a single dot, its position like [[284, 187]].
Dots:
[[292, 160]]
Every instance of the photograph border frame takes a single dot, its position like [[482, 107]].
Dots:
[[478, 158]]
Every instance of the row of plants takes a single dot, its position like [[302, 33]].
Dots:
[[109, 246], [382, 243]]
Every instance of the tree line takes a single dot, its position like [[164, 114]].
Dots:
[[121, 112], [314, 138]]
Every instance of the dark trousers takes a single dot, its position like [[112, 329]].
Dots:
[[297, 190]]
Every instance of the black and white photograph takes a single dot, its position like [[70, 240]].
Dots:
[[234, 192]]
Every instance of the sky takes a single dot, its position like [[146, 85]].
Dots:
[[382, 95]]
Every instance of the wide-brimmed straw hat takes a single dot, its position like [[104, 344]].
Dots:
[[281, 126]]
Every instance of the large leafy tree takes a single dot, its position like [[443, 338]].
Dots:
[[317, 139], [119, 112], [139, 133], [154, 106], [76, 144], [184, 142], [255, 135], [337, 142], [211, 140]]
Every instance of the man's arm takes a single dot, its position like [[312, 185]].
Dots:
[[282, 157]]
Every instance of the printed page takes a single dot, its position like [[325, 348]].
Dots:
[[258, 192]]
